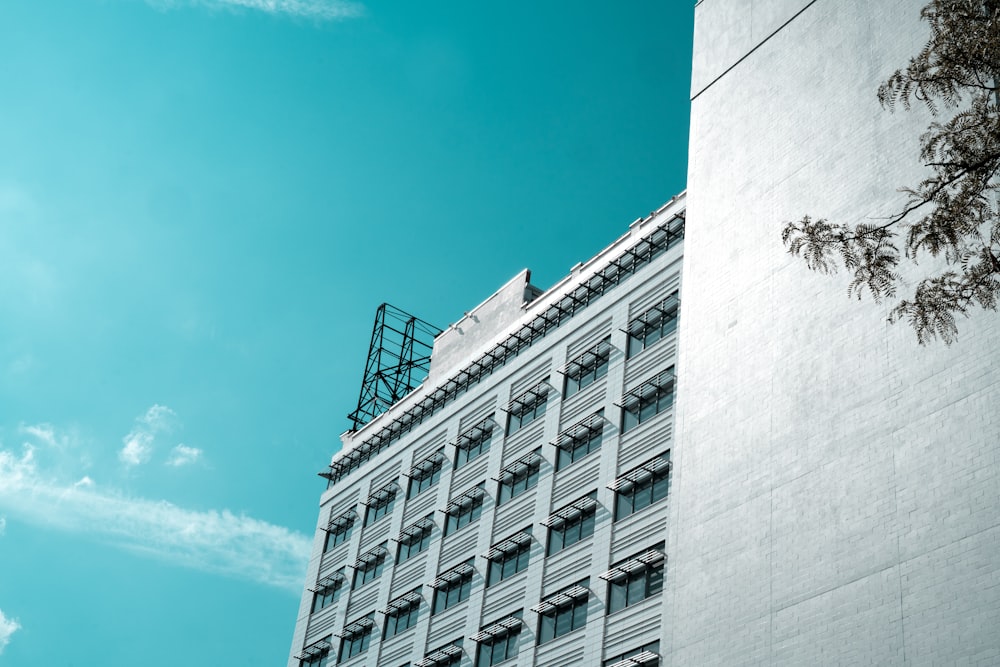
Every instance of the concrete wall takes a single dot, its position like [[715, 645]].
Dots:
[[837, 486]]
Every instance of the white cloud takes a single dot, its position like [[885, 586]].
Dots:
[[323, 10], [216, 541], [183, 455], [8, 626], [139, 442], [3, 525]]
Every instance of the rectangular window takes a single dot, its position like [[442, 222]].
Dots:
[[648, 400], [579, 440], [452, 586], [449, 655], [572, 523], [355, 637], [316, 654], [338, 530], [587, 368], [658, 322], [647, 655], [519, 476], [369, 565], [464, 509], [508, 557], [474, 442], [635, 579], [415, 538], [563, 612], [527, 407], [425, 473], [328, 590], [498, 641], [401, 613], [379, 504], [642, 486]]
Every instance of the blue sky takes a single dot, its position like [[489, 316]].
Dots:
[[202, 203]]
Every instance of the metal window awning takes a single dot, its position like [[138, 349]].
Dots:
[[640, 562], [501, 628], [330, 581], [341, 522], [581, 432], [427, 466], [415, 530], [530, 397], [356, 627], [454, 574], [521, 466], [589, 358], [476, 433], [647, 389], [570, 511], [643, 659], [382, 496], [439, 656], [407, 601], [512, 544], [653, 316], [371, 556], [565, 598], [464, 500], [652, 467], [322, 647]]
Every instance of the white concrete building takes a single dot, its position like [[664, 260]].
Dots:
[[514, 507]]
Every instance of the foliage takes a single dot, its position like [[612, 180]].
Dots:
[[953, 213]]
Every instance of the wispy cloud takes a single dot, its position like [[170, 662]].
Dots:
[[8, 626], [3, 525], [139, 441], [214, 540], [183, 455], [322, 10]]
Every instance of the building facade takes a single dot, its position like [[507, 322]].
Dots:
[[514, 507]]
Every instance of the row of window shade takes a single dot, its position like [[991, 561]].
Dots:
[[629, 582]]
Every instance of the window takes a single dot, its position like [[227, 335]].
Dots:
[[464, 509], [452, 586], [415, 538], [338, 530], [425, 473], [473, 442], [572, 523], [648, 400], [563, 612], [327, 590], [355, 637], [449, 655], [401, 613], [579, 440], [508, 557], [380, 503], [587, 368], [642, 486], [519, 476], [498, 641], [369, 565], [635, 579], [316, 654], [527, 407], [647, 655], [658, 322]]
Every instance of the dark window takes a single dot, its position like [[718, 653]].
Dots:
[[527, 407], [453, 586], [658, 322], [380, 503], [327, 590], [498, 641], [563, 612], [464, 509], [641, 487], [425, 474], [635, 579], [369, 565], [572, 523], [401, 613], [449, 655], [647, 655], [519, 476], [648, 400], [415, 538], [355, 638], [338, 530], [316, 654], [473, 442], [587, 368], [508, 557], [579, 440]]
